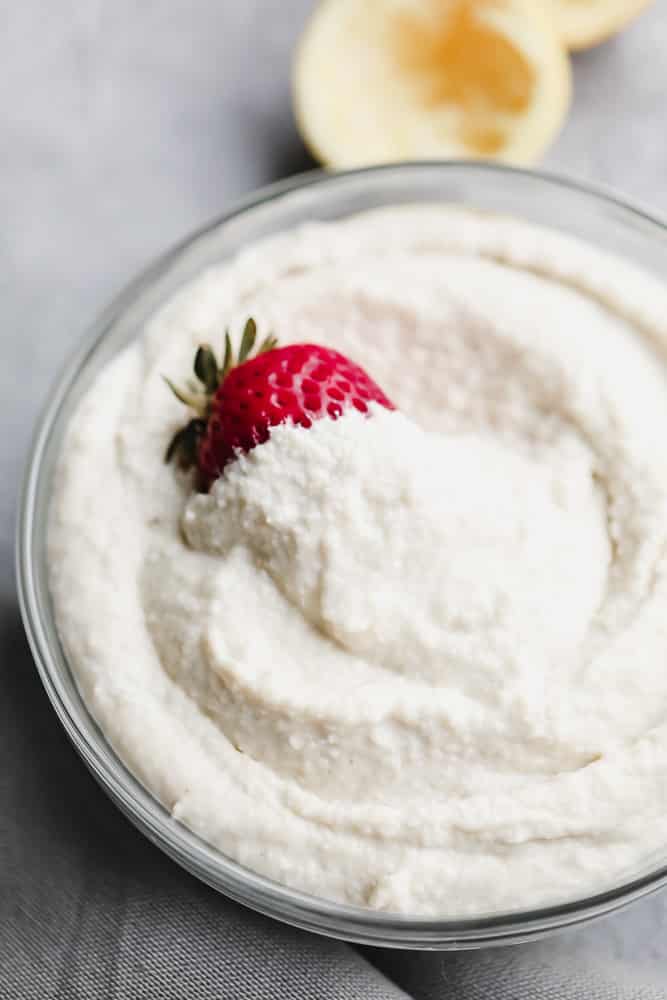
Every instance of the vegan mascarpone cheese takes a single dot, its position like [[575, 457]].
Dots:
[[413, 661]]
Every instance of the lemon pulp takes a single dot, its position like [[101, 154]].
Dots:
[[458, 59]]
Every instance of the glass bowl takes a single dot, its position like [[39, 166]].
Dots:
[[594, 216]]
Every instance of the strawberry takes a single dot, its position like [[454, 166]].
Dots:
[[236, 405]]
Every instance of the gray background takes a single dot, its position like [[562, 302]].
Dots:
[[125, 124]]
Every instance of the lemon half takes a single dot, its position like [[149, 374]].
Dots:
[[384, 80], [583, 23]]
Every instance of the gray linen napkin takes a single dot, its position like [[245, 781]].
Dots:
[[89, 908]]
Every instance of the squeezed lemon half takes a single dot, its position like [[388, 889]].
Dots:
[[386, 80]]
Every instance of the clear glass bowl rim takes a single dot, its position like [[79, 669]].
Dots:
[[139, 805]]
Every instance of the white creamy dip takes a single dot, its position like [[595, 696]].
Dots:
[[413, 660]]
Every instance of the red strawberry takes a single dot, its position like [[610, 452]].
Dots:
[[237, 406]]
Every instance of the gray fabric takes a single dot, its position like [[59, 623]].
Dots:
[[516, 973], [124, 125]]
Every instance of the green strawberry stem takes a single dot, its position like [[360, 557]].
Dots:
[[198, 395]]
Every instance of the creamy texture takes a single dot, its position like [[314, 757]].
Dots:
[[412, 661]]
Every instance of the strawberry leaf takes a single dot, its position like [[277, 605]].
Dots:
[[267, 344], [180, 394], [184, 446], [229, 358], [247, 340], [175, 445], [206, 368]]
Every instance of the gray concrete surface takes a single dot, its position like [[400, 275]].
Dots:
[[123, 125]]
